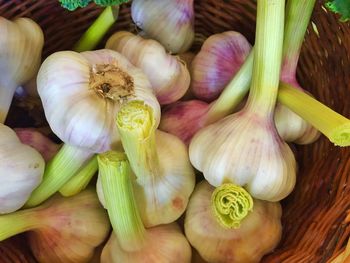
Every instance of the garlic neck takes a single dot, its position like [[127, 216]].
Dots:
[[6, 94], [18, 222], [136, 126], [122, 208], [111, 82]]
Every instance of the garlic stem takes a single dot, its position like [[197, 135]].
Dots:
[[6, 95], [122, 209], [58, 171], [267, 57], [90, 39], [233, 94], [333, 125], [81, 179], [18, 222], [136, 125], [231, 204], [298, 14]]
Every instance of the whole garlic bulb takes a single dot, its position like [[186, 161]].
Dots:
[[169, 22], [82, 92], [258, 233], [220, 57], [21, 171], [169, 77], [165, 244], [21, 44]]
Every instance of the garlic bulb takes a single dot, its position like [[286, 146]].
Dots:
[[21, 44], [30, 136], [62, 230], [164, 176], [81, 93], [131, 242], [245, 148], [21, 171], [184, 118], [169, 77], [290, 126], [169, 22], [220, 57], [258, 233]]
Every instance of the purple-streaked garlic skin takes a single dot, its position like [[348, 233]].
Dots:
[[245, 149], [259, 233], [220, 57], [167, 21], [165, 244], [184, 118], [71, 229], [38, 141]]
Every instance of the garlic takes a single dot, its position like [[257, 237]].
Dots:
[[169, 78], [290, 126], [21, 171], [131, 242], [219, 59], [187, 58], [244, 148], [220, 227], [184, 118], [169, 22], [81, 93], [62, 230], [164, 176], [38, 141], [21, 44]]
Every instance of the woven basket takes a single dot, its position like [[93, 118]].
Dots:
[[314, 225]]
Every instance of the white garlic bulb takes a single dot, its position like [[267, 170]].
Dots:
[[170, 22]]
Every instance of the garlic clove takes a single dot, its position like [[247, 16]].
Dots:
[[21, 44], [171, 82], [219, 59], [21, 171], [184, 118], [166, 244], [245, 149], [169, 22], [259, 232]]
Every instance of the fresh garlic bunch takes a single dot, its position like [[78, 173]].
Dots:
[[219, 59], [169, 22], [34, 138], [21, 44], [131, 242], [81, 95], [62, 230], [224, 225], [21, 171], [245, 148], [164, 176], [169, 77], [290, 126]]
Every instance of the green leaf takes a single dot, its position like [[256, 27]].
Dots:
[[71, 5], [110, 2], [341, 7]]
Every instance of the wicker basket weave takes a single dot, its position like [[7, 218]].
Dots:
[[314, 225]]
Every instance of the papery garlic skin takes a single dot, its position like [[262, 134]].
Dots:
[[258, 234], [169, 77], [169, 22], [184, 118], [74, 227], [245, 149], [21, 171], [21, 44], [163, 197], [166, 244], [220, 57], [82, 92]]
